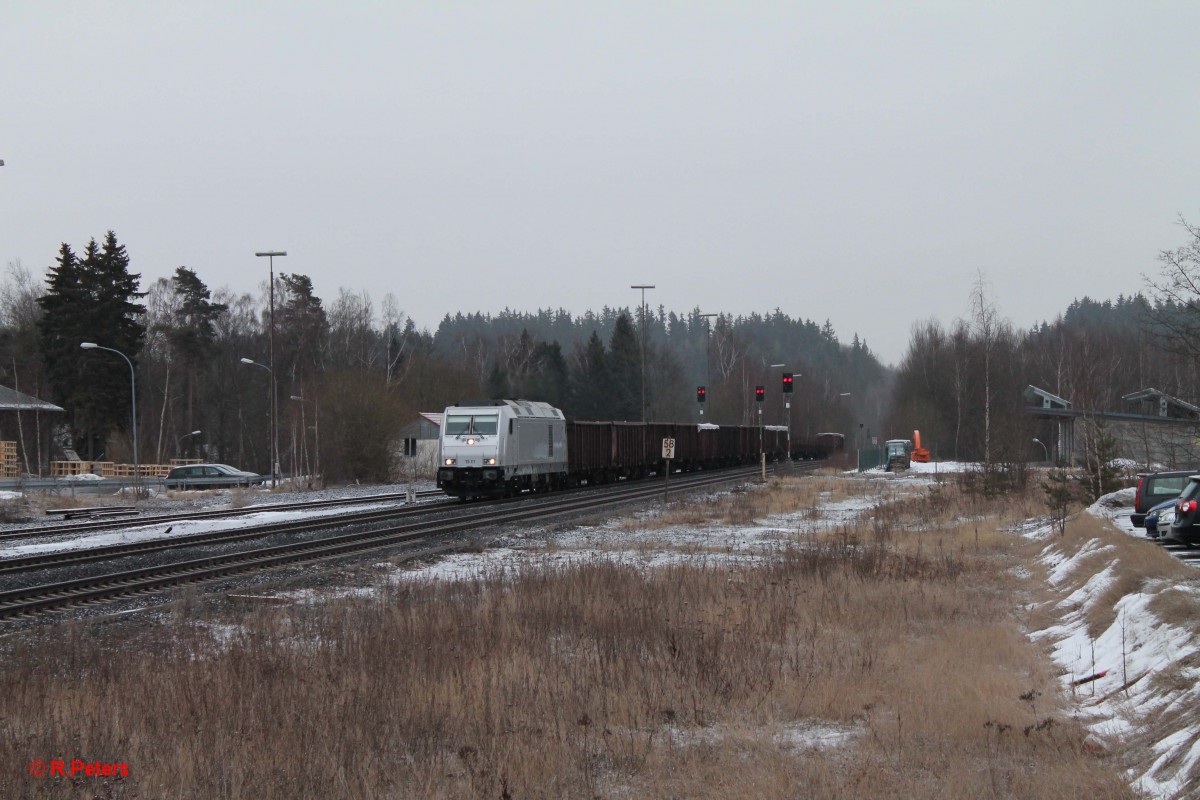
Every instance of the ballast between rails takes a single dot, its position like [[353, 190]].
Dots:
[[158, 519], [32, 600]]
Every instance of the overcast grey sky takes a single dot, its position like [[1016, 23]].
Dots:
[[853, 161]]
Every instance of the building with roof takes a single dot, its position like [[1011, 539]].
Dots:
[[27, 422], [419, 451]]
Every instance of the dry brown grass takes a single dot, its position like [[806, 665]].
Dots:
[[601, 680], [1178, 607], [748, 504], [1134, 563]]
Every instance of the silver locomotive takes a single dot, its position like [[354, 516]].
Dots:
[[495, 448]]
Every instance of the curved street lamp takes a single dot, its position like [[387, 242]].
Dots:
[[137, 473], [179, 441], [1044, 448]]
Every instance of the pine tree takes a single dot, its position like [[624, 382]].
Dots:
[[300, 330], [192, 336], [590, 399], [551, 381], [92, 299], [625, 372]]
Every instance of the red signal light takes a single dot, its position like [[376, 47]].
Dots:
[[787, 383], [701, 394], [760, 394]]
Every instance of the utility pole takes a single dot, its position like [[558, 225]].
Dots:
[[643, 287], [270, 256]]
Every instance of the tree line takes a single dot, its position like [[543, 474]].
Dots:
[[963, 385], [353, 374]]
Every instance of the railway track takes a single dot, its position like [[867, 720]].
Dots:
[[159, 519], [28, 601], [64, 558]]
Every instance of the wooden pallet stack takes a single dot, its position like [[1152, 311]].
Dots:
[[146, 470], [64, 469], [106, 469], [9, 466]]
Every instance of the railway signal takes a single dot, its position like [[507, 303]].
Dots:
[[701, 394], [787, 383], [760, 394]]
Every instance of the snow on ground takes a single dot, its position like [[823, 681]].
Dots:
[[145, 530], [1129, 655]]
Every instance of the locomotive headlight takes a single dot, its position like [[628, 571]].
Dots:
[[491, 461], [470, 441], [449, 462]]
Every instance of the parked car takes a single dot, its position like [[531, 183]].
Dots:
[[1156, 487], [211, 476], [1159, 518], [1185, 529]]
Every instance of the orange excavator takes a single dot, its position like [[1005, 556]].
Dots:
[[919, 453]]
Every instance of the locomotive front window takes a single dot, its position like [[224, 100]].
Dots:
[[464, 424]]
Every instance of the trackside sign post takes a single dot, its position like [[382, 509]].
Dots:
[[668, 452]]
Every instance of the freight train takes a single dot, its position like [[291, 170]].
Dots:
[[497, 448]]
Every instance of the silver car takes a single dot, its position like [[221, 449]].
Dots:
[[211, 476]]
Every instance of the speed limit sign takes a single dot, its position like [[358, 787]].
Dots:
[[668, 448]]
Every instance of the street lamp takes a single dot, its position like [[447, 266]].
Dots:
[[316, 430], [643, 287], [132, 405], [274, 424], [179, 441], [1044, 448]]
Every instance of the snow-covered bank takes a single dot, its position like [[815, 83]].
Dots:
[[1146, 700]]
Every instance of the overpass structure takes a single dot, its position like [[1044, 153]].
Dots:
[[1160, 429]]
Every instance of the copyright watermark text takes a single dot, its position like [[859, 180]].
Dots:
[[77, 768]]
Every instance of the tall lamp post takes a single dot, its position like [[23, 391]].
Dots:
[[316, 431], [137, 472], [1044, 448], [270, 256], [179, 441], [643, 287], [274, 422]]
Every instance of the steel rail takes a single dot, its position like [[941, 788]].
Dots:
[[158, 519], [37, 599], [85, 555]]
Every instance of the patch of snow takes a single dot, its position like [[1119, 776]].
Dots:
[[816, 735], [148, 531]]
